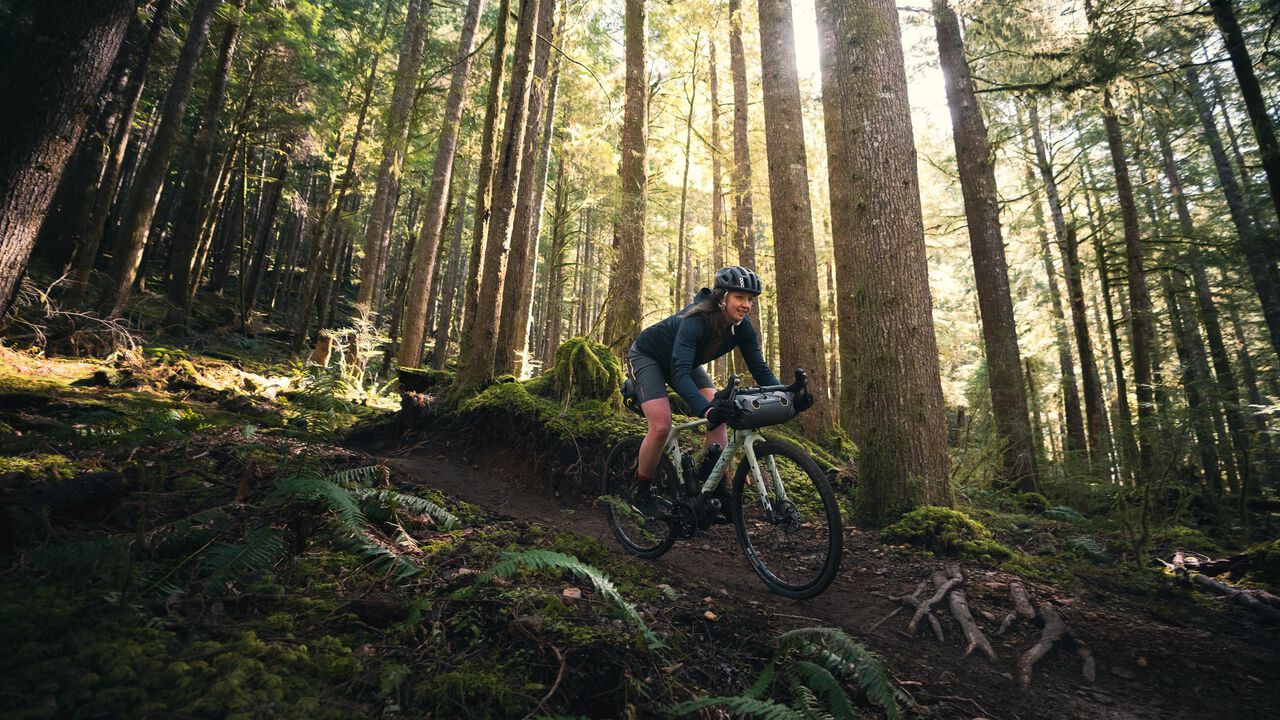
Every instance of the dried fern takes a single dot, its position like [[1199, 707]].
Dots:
[[546, 559]]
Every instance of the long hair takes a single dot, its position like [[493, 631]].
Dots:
[[713, 307]]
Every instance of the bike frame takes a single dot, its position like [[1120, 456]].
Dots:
[[740, 441]]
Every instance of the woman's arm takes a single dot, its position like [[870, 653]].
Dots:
[[749, 342], [684, 353]]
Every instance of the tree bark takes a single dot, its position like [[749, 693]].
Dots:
[[1224, 15], [798, 303], [626, 281], [555, 264], [452, 279], [252, 273], [513, 323], [476, 366], [49, 83], [144, 195], [428, 245], [743, 213], [192, 207], [394, 142], [1193, 382], [991, 273], [881, 267], [480, 219]]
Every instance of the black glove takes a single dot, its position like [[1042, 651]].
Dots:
[[803, 400], [719, 413]]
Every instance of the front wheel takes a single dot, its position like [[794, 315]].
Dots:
[[792, 539], [642, 536]]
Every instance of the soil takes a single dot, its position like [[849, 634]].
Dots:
[[1172, 656]]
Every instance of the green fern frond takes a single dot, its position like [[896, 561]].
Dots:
[[844, 657], [397, 567], [739, 705], [412, 503], [226, 562], [538, 559], [805, 675], [314, 488], [810, 707], [357, 476], [763, 682]]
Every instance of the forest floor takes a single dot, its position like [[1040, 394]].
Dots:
[[175, 543]]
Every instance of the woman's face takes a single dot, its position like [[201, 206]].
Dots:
[[737, 305]]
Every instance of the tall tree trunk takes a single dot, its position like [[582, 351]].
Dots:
[[626, 281], [49, 84], [476, 366], [799, 305], [881, 268], [484, 187], [452, 280], [191, 208], [394, 142], [743, 214], [253, 272], [682, 279], [1193, 382], [717, 181], [1224, 15], [144, 195], [555, 264], [1227, 389], [1095, 406], [428, 245], [991, 273], [526, 224]]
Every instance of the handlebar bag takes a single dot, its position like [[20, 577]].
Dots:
[[759, 410]]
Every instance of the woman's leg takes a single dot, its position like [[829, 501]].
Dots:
[[658, 414], [720, 434]]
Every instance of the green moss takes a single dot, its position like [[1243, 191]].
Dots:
[[584, 370], [1181, 537], [1033, 502], [475, 690], [946, 532], [39, 465], [1265, 563]]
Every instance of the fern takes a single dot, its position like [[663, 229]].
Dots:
[[741, 705], [808, 676], [225, 562], [843, 657], [358, 476], [397, 567], [413, 503], [325, 491], [538, 559]]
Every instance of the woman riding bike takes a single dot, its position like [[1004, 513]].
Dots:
[[671, 352]]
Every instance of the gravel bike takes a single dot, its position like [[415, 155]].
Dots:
[[781, 504]]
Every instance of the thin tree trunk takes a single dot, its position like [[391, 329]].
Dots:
[[717, 181], [881, 268], [476, 365], [798, 302], [394, 142], [452, 279], [192, 207], [1193, 383], [140, 208], [49, 83], [428, 244], [743, 213], [251, 278], [555, 264], [626, 281], [682, 280], [991, 273], [514, 318]]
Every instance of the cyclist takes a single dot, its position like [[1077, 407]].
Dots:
[[671, 352]]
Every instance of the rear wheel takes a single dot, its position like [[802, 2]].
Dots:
[[793, 544], [642, 536]]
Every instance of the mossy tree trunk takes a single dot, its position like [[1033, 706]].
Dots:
[[888, 352]]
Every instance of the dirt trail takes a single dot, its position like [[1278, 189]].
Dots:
[[1212, 664]]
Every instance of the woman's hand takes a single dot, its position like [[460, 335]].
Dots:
[[717, 414]]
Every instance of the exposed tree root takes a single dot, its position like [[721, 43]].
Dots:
[[960, 611], [1021, 607]]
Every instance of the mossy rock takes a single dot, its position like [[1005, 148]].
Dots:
[[946, 532], [1033, 502]]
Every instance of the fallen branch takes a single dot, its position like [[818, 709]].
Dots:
[[1260, 601], [960, 611]]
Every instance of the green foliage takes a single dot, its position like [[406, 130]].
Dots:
[[946, 532], [815, 664], [538, 559], [262, 548], [1264, 563], [1033, 502], [1181, 537]]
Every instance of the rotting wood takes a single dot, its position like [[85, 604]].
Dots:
[[973, 635]]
